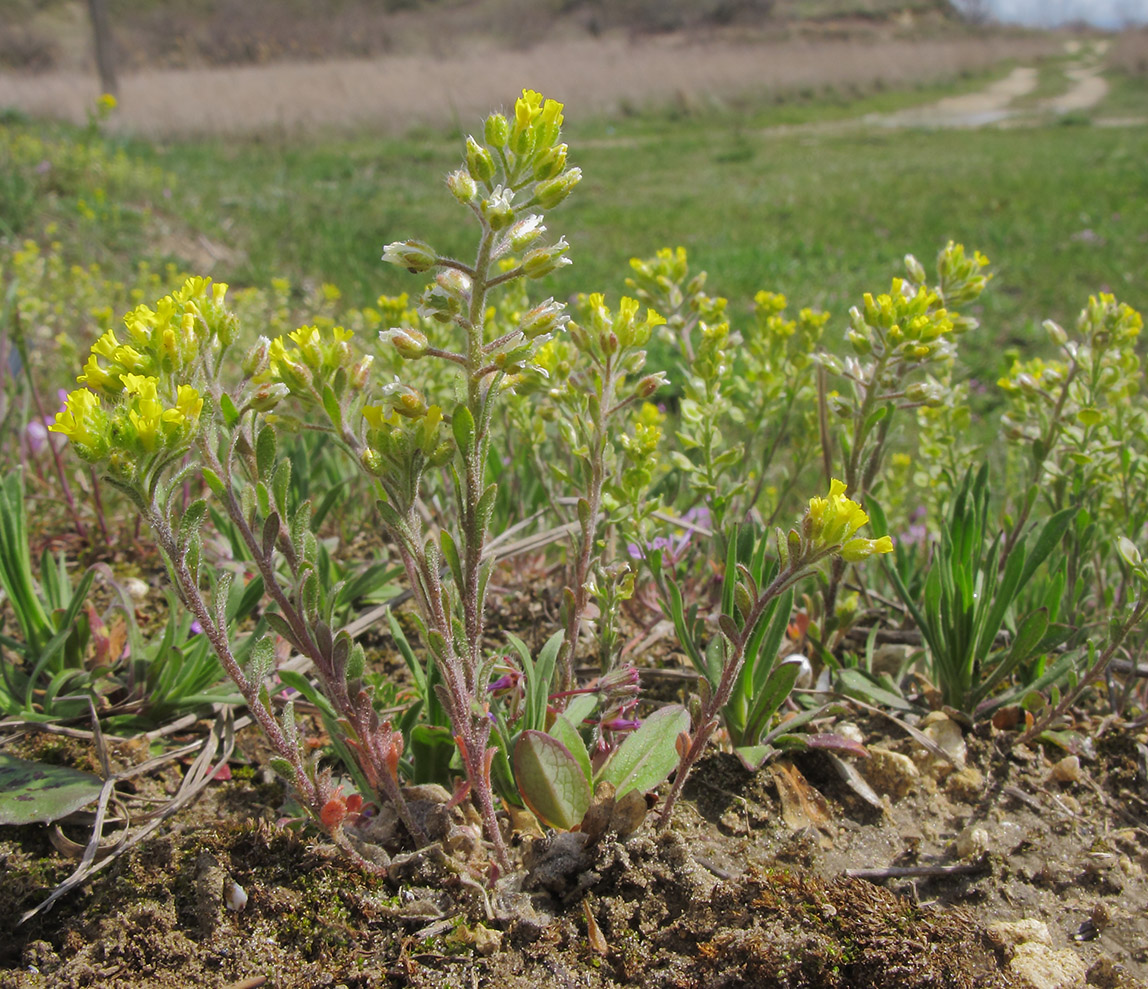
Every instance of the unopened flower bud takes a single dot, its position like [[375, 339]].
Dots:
[[297, 377], [409, 342], [405, 400], [256, 358], [442, 454], [227, 329], [649, 384], [929, 393], [414, 255], [859, 342], [371, 461], [496, 130], [455, 283], [268, 395], [479, 162], [543, 260], [550, 193], [915, 269], [544, 319], [462, 186], [359, 373], [793, 539], [550, 163], [1055, 332]]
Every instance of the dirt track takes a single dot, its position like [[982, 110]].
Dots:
[[591, 76]]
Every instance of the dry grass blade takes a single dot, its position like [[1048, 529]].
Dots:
[[918, 736], [221, 739]]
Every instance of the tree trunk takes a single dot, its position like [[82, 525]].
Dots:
[[105, 57]]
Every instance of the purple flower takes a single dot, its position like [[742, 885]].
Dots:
[[37, 437], [621, 724]]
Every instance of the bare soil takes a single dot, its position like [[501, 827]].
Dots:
[[731, 895]]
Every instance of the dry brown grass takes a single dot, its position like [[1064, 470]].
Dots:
[[46, 34], [1129, 53], [593, 76]]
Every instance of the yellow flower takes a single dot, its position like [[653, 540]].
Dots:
[[859, 548], [189, 402], [834, 519], [95, 376], [106, 346], [84, 422]]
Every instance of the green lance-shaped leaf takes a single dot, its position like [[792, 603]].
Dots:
[[550, 780], [648, 755], [462, 424], [32, 792], [265, 452]]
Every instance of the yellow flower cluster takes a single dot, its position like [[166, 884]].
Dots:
[[139, 425], [161, 348], [162, 341], [834, 522]]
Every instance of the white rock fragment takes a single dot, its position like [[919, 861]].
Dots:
[[1066, 771], [946, 734], [234, 895], [1009, 933], [850, 731], [971, 842], [889, 772], [136, 588], [1037, 966]]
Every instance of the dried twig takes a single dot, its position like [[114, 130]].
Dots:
[[919, 871]]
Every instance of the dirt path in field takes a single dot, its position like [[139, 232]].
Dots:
[[1085, 88], [604, 75]]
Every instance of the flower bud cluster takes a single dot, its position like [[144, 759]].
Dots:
[[779, 344], [961, 277], [1098, 366], [640, 449], [602, 333], [403, 440], [905, 324], [321, 356]]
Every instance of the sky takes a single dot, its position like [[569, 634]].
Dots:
[[1049, 13]]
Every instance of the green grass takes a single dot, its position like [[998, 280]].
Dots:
[[821, 215]]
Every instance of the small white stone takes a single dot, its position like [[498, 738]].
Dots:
[[1010, 933], [234, 895], [972, 841], [889, 772], [136, 588], [1066, 771], [846, 729], [1037, 966]]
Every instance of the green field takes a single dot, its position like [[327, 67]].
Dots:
[[821, 214]]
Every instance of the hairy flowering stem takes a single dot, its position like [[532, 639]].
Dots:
[[828, 529], [520, 168], [216, 633]]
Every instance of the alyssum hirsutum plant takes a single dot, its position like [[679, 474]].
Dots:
[[479, 385]]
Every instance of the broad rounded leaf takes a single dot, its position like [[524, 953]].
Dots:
[[36, 791], [550, 781], [650, 754]]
